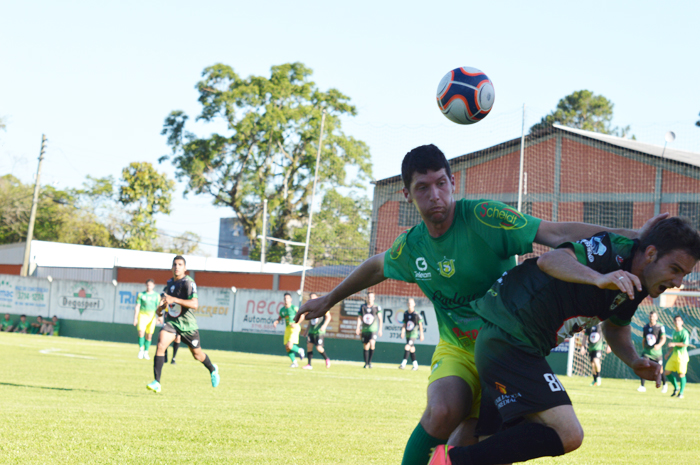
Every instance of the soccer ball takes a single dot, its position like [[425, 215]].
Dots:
[[465, 95]]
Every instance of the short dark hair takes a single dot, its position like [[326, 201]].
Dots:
[[180, 257], [420, 160], [654, 312], [25, 316], [39, 317], [370, 292], [287, 294], [677, 317], [672, 234], [150, 280]]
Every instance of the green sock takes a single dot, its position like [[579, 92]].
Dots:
[[419, 447], [148, 345], [141, 341], [291, 356], [674, 381], [682, 384], [295, 349]]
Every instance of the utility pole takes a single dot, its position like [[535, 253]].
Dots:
[[32, 216], [264, 237]]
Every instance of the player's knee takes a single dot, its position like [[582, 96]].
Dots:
[[571, 438], [440, 420]]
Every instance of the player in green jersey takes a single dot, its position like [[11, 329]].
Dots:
[[145, 317], [315, 333], [7, 323], [678, 360], [534, 307], [411, 329], [454, 255], [653, 340], [35, 328], [22, 326], [180, 298], [291, 331], [369, 326]]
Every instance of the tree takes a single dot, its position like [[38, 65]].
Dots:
[[186, 243], [268, 150], [583, 110], [340, 231]]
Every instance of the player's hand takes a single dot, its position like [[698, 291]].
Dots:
[[608, 349], [422, 337], [136, 322], [646, 369], [650, 224], [274, 323], [357, 331], [168, 299], [622, 280], [380, 333], [315, 308]]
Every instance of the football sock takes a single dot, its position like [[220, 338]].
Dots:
[[158, 362], [413, 356], [176, 345], [419, 447], [141, 342], [324, 355], [309, 355], [674, 381], [147, 345], [642, 382], [291, 356], [207, 363], [682, 384], [165, 356], [366, 354], [405, 355], [371, 352], [663, 378], [517, 444], [295, 349]]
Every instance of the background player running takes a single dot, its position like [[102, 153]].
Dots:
[[653, 340], [678, 361], [535, 306], [594, 343], [412, 328], [315, 333], [291, 330], [369, 325], [145, 317], [180, 298]]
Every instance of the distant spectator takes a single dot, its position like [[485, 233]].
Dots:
[[22, 326], [7, 324], [50, 327], [35, 328]]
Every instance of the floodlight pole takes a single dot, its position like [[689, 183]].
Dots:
[[522, 160], [311, 208], [264, 238], [32, 215]]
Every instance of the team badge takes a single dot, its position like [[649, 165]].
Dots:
[[447, 267], [397, 246], [651, 339], [501, 388], [410, 325], [368, 319]]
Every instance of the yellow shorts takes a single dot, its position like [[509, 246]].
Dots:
[[147, 322], [450, 360], [677, 364], [292, 335]]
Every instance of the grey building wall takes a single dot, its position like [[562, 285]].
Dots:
[[233, 243]]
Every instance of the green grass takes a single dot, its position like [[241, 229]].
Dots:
[[86, 402]]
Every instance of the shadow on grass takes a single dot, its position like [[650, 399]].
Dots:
[[46, 387]]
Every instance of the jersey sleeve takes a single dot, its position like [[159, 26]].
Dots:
[[596, 252], [662, 330], [506, 230], [191, 289], [624, 317], [379, 310], [685, 337], [139, 300], [397, 262]]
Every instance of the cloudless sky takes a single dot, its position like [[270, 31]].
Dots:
[[98, 78]]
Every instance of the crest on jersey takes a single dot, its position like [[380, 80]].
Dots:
[[447, 267], [594, 337], [314, 321], [397, 247], [501, 388], [651, 339], [410, 325], [368, 319]]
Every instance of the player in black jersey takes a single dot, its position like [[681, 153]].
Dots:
[[412, 328], [369, 325], [653, 340], [535, 306], [315, 333], [594, 342]]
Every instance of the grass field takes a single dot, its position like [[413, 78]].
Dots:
[[78, 401]]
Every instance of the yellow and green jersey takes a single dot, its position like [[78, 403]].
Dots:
[[462, 264], [288, 314], [682, 336], [148, 302]]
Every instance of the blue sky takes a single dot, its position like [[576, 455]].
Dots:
[[99, 78]]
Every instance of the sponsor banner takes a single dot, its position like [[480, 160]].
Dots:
[[125, 301], [82, 300], [215, 311], [28, 296], [255, 311]]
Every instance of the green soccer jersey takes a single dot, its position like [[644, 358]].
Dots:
[[148, 302], [182, 318], [316, 326], [57, 327], [21, 326], [288, 314], [34, 329], [7, 324], [463, 263], [682, 336]]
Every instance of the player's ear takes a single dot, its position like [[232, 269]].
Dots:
[[407, 195], [452, 180], [650, 254]]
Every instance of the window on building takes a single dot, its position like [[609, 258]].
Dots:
[[609, 214], [690, 210], [408, 215]]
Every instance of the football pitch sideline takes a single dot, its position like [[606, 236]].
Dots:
[[77, 401]]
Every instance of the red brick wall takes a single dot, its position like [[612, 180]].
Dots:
[[11, 269]]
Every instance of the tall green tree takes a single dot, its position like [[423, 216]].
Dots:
[[267, 149], [583, 110]]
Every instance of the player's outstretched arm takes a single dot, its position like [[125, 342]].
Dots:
[[553, 234], [368, 274], [562, 264], [620, 341]]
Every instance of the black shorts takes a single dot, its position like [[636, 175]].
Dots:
[[410, 341], [593, 354], [659, 360], [190, 338], [514, 383], [366, 337], [316, 339]]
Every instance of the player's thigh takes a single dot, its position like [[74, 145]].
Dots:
[[449, 403], [165, 338], [563, 420], [450, 361]]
